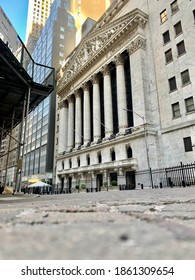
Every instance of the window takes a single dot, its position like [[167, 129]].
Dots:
[[185, 78], [194, 14], [163, 16], [178, 28], [189, 102], [88, 160], [174, 7], [70, 163], [166, 37], [172, 84], [61, 36], [187, 144], [181, 48], [113, 156], [129, 152], [176, 110], [99, 158], [168, 56], [78, 162]]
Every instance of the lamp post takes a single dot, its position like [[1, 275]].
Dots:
[[146, 144]]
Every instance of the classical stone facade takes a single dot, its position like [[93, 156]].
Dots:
[[113, 89]]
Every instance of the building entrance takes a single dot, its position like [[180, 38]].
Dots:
[[99, 182], [130, 179]]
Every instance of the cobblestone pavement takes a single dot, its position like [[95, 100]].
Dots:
[[137, 224]]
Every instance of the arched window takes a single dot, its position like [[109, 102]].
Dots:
[[99, 157], [78, 162], [129, 152], [88, 160], [113, 156]]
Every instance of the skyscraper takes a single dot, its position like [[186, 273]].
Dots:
[[55, 42], [38, 12], [82, 9]]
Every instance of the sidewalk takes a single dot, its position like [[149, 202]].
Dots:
[[136, 224]]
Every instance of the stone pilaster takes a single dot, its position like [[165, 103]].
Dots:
[[121, 177], [140, 97]]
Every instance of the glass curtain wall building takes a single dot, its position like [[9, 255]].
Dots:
[[56, 41], [38, 12]]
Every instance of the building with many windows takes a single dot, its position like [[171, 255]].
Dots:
[[56, 41], [126, 97], [38, 12]]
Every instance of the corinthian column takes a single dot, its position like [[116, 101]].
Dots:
[[108, 111], [96, 109], [70, 123], [121, 94], [63, 127], [78, 119], [87, 116]]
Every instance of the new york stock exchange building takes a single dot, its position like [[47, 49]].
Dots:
[[126, 98]]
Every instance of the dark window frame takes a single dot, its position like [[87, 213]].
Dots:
[[176, 110], [172, 84], [174, 7], [185, 78], [166, 37], [181, 49], [188, 144], [189, 107], [178, 28], [168, 56]]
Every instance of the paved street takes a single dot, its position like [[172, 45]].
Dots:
[[137, 224]]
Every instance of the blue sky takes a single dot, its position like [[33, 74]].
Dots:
[[16, 11]]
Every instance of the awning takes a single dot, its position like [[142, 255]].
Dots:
[[34, 180]]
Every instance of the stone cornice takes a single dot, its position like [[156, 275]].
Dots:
[[96, 44]]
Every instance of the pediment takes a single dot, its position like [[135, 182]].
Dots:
[[97, 42]]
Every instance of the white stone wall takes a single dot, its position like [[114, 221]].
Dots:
[[151, 96]]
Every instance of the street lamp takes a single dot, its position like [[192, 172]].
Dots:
[[146, 144]]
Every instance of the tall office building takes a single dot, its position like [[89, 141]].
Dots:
[[93, 9], [56, 41], [127, 99], [82, 9], [38, 12]]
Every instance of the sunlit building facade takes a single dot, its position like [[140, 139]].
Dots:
[[38, 12], [126, 98]]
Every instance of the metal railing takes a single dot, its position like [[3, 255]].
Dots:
[[181, 175], [27, 62]]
